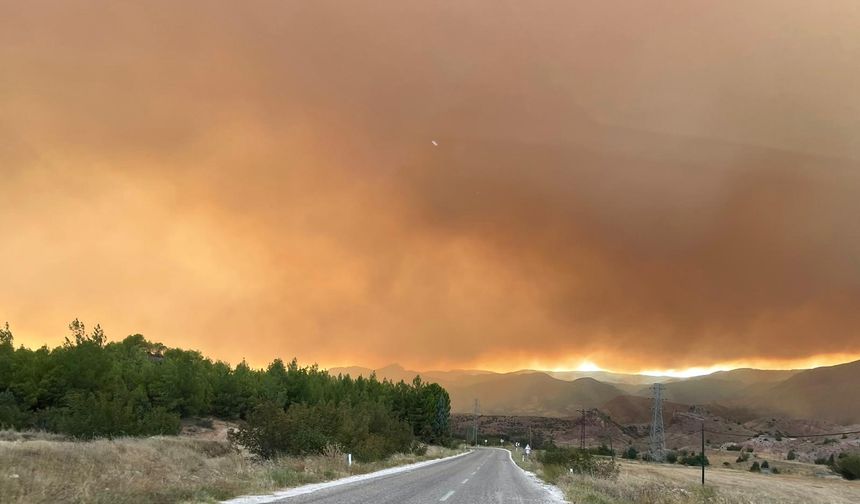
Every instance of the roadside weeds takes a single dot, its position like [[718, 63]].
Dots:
[[164, 469]]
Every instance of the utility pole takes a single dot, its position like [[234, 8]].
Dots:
[[476, 422], [582, 430], [657, 445], [530, 436], [703, 452]]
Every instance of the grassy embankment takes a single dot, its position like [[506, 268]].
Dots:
[[39, 467], [647, 483]]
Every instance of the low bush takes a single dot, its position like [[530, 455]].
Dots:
[[693, 460], [602, 450], [630, 453], [580, 462], [848, 466]]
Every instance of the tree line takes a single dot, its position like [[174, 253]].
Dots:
[[89, 387]]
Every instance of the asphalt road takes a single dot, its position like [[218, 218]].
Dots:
[[486, 476]]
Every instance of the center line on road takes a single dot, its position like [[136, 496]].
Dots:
[[443, 499], [473, 473], [464, 481]]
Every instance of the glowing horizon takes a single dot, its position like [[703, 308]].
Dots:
[[588, 366]]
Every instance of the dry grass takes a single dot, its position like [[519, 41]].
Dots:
[[35, 469], [644, 483]]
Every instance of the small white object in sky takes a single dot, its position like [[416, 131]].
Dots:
[[434, 143]]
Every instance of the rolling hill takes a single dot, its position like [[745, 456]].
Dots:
[[826, 393], [535, 394]]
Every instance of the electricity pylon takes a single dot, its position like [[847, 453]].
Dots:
[[582, 412], [657, 445]]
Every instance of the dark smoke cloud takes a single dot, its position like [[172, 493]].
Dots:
[[644, 186]]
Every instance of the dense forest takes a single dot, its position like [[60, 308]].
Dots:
[[91, 388]]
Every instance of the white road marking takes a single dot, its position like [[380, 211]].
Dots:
[[473, 473], [465, 481], [443, 499]]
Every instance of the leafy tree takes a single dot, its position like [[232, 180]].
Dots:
[[6, 337], [89, 387]]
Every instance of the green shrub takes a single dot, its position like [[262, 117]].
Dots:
[[765, 465], [563, 456], [602, 450], [693, 460], [630, 453], [671, 457], [755, 467], [743, 457], [848, 466], [579, 461], [792, 455]]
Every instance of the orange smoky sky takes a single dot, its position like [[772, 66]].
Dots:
[[639, 185]]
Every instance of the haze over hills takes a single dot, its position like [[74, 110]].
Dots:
[[826, 393], [831, 393]]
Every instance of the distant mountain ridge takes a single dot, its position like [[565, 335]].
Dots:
[[826, 393]]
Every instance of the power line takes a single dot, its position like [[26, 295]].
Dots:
[[781, 434]]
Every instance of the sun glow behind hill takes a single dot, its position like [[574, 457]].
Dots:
[[591, 366], [588, 366]]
